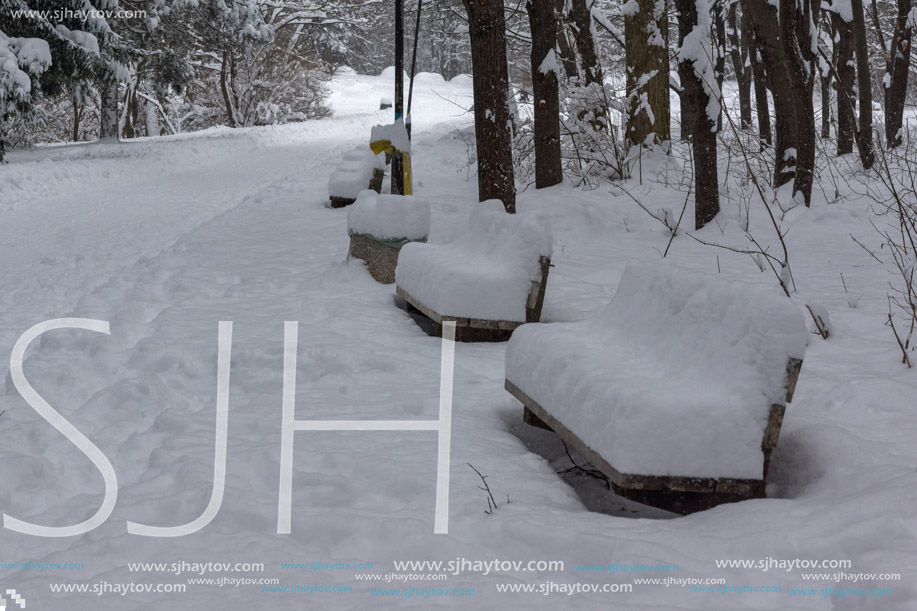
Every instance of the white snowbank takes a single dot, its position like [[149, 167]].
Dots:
[[675, 376], [389, 73], [464, 80], [389, 216], [430, 78], [486, 272], [354, 172]]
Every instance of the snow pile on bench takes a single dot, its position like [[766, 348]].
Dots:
[[674, 377], [389, 217], [354, 173], [486, 272], [396, 133]]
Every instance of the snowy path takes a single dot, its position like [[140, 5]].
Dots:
[[166, 238]]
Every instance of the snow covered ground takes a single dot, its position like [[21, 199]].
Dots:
[[166, 237]]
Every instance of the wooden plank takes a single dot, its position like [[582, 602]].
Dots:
[[479, 329], [748, 488]]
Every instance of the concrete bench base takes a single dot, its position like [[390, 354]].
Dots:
[[381, 258], [479, 330], [682, 495]]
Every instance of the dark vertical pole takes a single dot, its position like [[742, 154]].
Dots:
[[413, 68], [397, 168]]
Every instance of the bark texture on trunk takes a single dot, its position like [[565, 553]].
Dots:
[[758, 78], [864, 86], [543, 23], [108, 109], [702, 127], [796, 39], [567, 53], [591, 75], [846, 83], [646, 34], [899, 60], [738, 53], [765, 25], [492, 121]]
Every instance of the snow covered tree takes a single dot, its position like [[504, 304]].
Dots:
[[765, 25], [864, 85], [897, 69], [799, 39], [842, 56], [45, 48], [492, 121], [21, 60], [741, 64], [754, 64], [647, 64], [591, 78], [701, 96]]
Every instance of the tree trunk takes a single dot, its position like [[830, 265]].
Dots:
[[796, 38], [864, 86], [898, 64], [825, 81], [224, 89], [77, 117], [685, 71], [697, 96], [846, 82], [719, 66], [738, 53], [543, 23], [646, 35], [763, 17], [758, 78], [567, 54], [108, 109], [487, 28], [592, 78]]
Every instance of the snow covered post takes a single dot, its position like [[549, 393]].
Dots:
[[397, 169], [393, 139]]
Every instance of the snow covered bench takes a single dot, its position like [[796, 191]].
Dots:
[[490, 279], [379, 225], [359, 170], [675, 390]]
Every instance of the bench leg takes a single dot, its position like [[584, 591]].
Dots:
[[529, 417]]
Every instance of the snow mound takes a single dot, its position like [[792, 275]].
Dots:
[[464, 80], [354, 172], [389, 216], [389, 73], [486, 272], [674, 377], [429, 77]]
